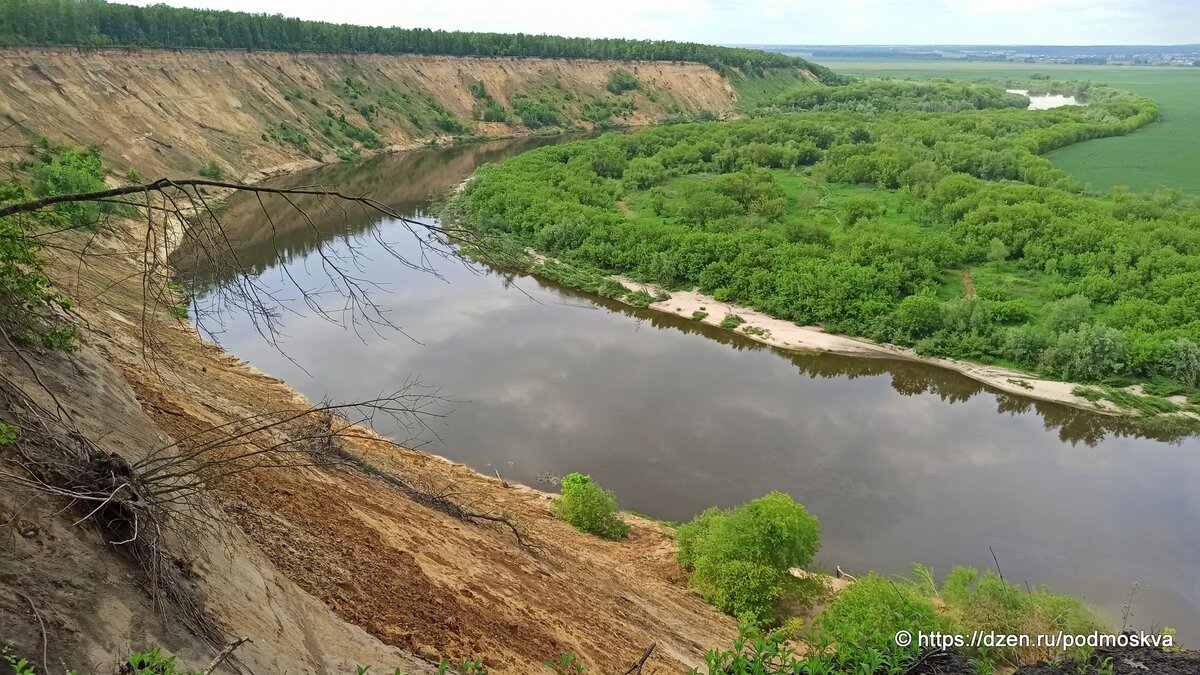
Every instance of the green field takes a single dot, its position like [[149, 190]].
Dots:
[[1161, 155]]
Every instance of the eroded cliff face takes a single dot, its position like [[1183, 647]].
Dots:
[[170, 112]]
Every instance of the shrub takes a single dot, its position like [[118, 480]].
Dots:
[[868, 614], [732, 321], [740, 558], [534, 114], [1088, 353], [64, 171], [987, 602], [494, 112], [212, 170], [699, 315], [590, 508], [621, 81]]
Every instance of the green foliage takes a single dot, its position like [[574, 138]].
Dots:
[[465, 667], [212, 170], [874, 96], [866, 616], [494, 112], [63, 171], [152, 663], [732, 321], [534, 114], [567, 664], [757, 653], [18, 665], [621, 81], [26, 296], [986, 602], [590, 508], [740, 558], [74, 22], [8, 433], [878, 236], [699, 315], [133, 176], [288, 134]]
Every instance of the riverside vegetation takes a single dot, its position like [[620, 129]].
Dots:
[[745, 561], [869, 216]]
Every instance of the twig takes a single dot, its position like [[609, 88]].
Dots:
[[997, 563], [636, 668], [42, 625], [224, 654]]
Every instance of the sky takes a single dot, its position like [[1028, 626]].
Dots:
[[1058, 22]]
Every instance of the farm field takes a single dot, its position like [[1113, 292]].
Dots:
[[1161, 155]]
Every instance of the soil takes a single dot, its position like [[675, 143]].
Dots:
[[1130, 661], [167, 112]]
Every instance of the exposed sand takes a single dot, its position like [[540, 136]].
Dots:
[[787, 335]]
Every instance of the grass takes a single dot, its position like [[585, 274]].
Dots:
[[1161, 155], [1148, 406], [754, 91]]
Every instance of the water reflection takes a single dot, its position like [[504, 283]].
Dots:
[[1046, 101], [558, 381]]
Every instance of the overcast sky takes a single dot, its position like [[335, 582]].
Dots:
[[774, 21]]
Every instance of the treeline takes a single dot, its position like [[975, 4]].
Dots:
[[873, 96], [898, 207], [96, 23]]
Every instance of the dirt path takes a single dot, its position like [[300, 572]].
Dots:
[[968, 284]]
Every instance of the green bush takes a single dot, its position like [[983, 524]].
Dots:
[[590, 508], [987, 602], [62, 171], [732, 321], [212, 170], [534, 114], [740, 558], [621, 81], [868, 614], [494, 112]]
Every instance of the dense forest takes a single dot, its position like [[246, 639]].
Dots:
[[944, 231], [95, 23]]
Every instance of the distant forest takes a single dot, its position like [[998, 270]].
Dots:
[[95, 23]]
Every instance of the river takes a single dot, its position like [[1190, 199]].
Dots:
[[900, 461]]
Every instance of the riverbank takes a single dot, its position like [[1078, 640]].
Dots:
[[781, 334]]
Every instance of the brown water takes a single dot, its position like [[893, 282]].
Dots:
[[901, 462]]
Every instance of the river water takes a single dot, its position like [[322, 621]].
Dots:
[[900, 461], [1045, 101]]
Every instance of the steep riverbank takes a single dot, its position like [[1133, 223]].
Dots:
[[323, 568], [164, 112]]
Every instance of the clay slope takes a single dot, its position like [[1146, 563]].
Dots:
[[166, 112]]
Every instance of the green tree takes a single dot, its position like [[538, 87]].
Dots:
[[1184, 363]]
